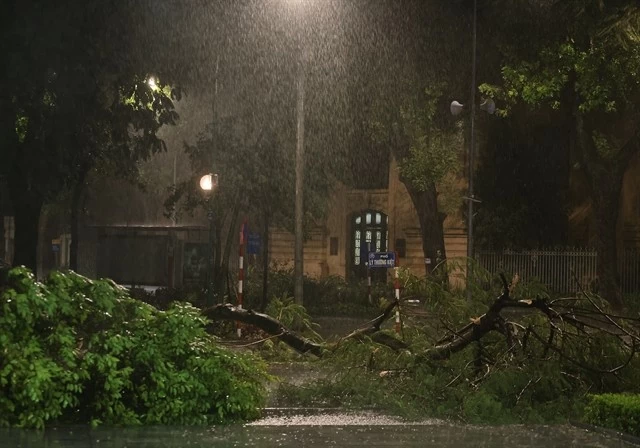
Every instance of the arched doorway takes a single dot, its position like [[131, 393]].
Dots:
[[369, 233]]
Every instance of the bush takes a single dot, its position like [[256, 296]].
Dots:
[[76, 350], [615, 411], [333, 295]]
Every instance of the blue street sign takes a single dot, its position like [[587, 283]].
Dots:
[[253, 243], [382, 259]]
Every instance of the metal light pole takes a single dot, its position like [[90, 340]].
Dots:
[[299, 211], [207, 183], [472, 147], [456, 109], [298, 259]]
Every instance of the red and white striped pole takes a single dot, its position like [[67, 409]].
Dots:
[[241, 272], [396, 285]]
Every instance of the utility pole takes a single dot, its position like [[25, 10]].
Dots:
[[299, 206], [298, 259], [472, 147]]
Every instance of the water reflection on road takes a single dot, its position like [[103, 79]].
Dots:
[[322, 430]]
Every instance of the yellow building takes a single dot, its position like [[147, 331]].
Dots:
[[383, 218]]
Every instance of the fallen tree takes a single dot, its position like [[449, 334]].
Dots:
[[299, 343], [507, 355], [574, 319]]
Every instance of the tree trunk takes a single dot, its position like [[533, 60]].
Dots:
[[3, 257], [76, 205], [431, 225], [606, 207], [8, 148], [265, 263], [218, 274], [605, 175], [223, 264], [27, 209]]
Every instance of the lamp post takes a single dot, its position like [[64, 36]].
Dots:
[[298, 258], [456, 108], [207, 183], [472, 146], [299, 211]]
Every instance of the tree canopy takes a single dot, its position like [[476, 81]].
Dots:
[[582, 66], [74, 98]]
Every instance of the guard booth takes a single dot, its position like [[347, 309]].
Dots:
[[146, 256]]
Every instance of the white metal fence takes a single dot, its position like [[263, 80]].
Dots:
[[555, 268]]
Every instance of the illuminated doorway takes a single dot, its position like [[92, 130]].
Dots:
[[369, 233]]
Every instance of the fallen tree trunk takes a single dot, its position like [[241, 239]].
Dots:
[[299, 343], [266, 323], [559, 312]]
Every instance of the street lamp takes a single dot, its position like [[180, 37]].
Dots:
[[152, 83], [208, 183], [298, 258], [489, 106], [456, 108]]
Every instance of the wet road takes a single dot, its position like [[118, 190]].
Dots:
[[323, 429]]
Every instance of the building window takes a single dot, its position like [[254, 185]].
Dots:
[[333, 246]]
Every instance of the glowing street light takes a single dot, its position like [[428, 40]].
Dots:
[[208, 183], [153, 83]]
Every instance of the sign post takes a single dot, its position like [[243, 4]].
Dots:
[[243, 230], [387, 260]]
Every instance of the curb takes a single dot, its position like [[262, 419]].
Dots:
[[607, 432]]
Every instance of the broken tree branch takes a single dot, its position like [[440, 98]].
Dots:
[[265, 323], [565, 317]]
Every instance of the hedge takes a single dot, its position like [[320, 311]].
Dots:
[[615, 411]]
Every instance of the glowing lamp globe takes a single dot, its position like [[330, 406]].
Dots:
[[208, 182], [151, 82]]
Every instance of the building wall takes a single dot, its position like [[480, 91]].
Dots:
[[395, 202], [281, 248]]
